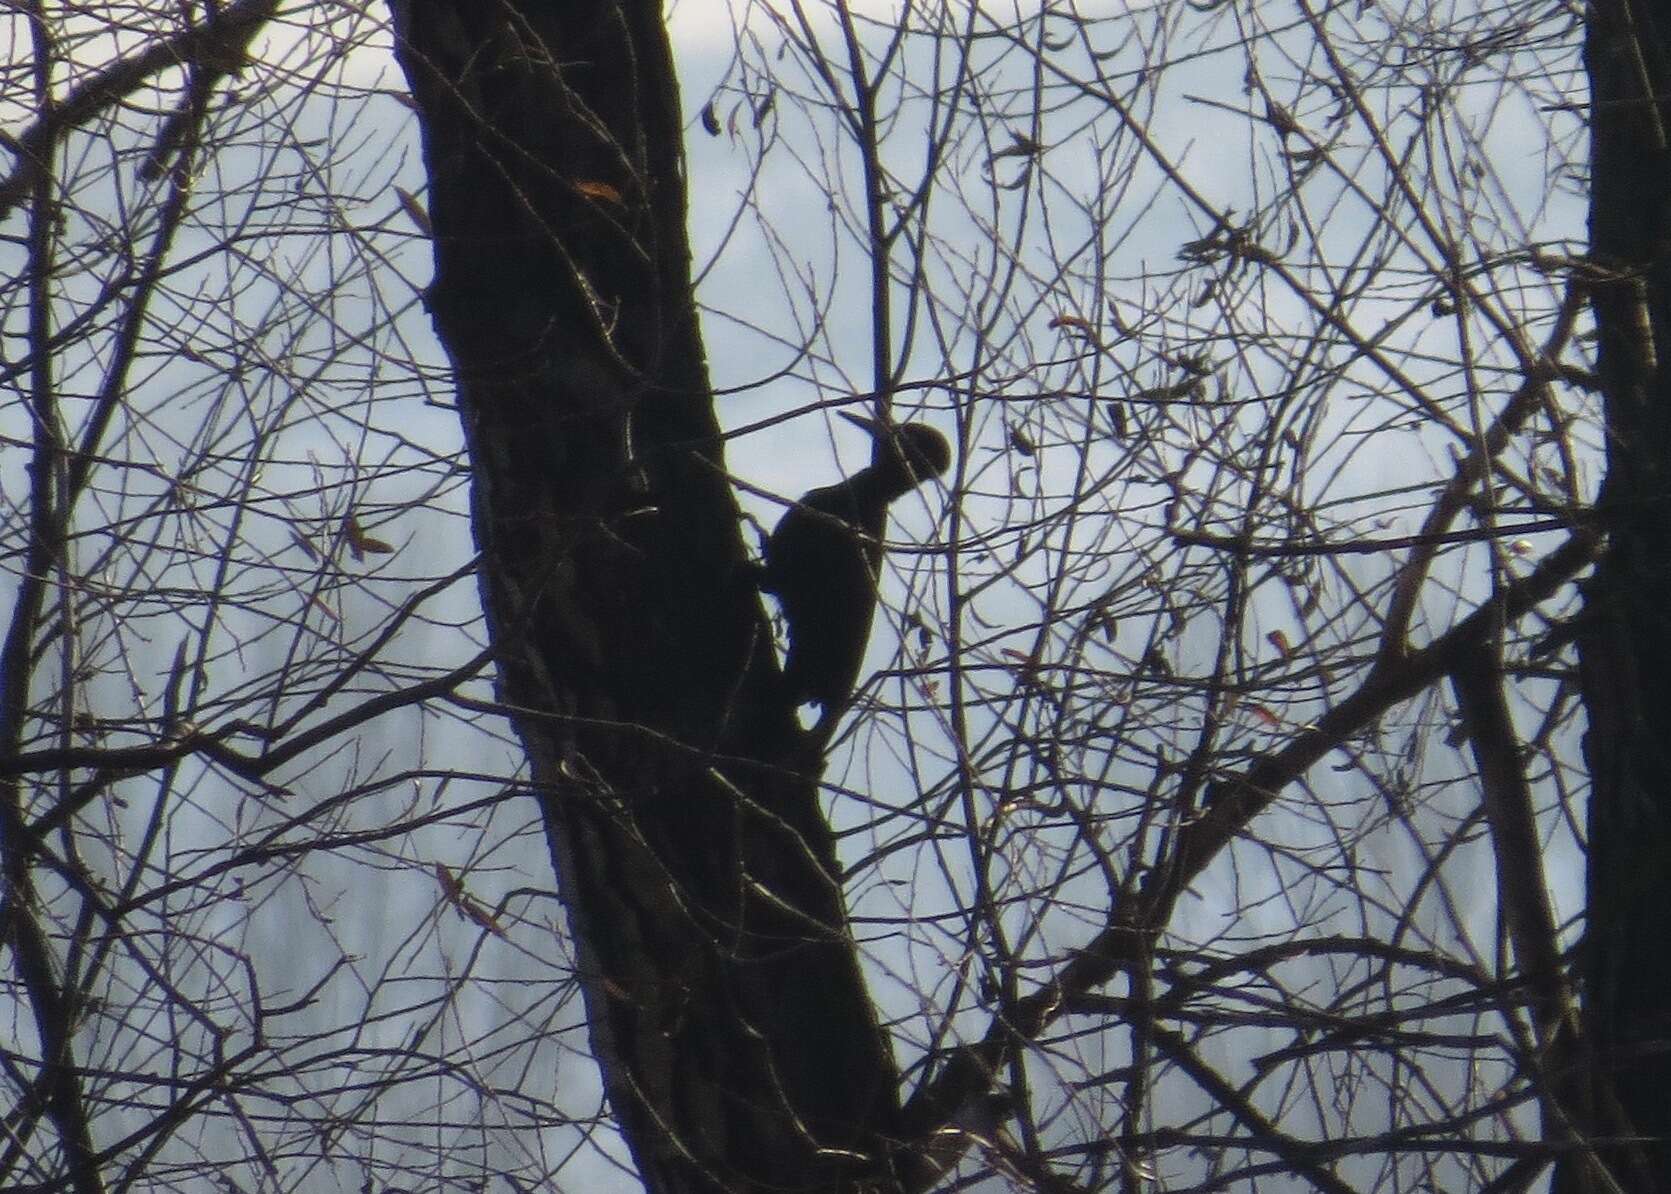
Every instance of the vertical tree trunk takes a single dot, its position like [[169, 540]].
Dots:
[[1625, 647], [728, 1013]]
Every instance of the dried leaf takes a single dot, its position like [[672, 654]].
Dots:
[[1279, 640], [1021, 147], [710, 119], [361, 544], [1026, 666], [1281, 119], [452, 890], [593, 189], [415, 211]]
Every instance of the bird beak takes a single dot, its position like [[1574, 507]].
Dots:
[[875, 428]]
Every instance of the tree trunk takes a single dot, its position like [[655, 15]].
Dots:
[[1625, 643], [728, 1013]]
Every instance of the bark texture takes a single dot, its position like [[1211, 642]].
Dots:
[[737, 1041], [1625, 644]]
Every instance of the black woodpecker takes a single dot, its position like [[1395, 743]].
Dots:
[[824, 557]]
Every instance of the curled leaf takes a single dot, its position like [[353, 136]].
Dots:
[[452, 890], [1021, 147], [593, 189], [415, 211], [361, 544]]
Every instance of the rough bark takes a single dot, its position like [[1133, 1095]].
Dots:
[[737, 1041], [1625, 643]]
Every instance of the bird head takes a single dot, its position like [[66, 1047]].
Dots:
[[922, 451]]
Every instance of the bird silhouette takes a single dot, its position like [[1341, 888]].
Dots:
[[824, 557]]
